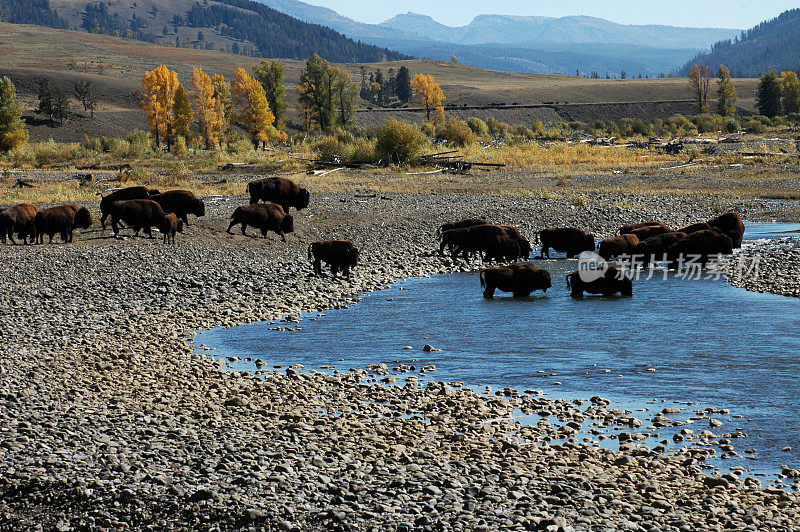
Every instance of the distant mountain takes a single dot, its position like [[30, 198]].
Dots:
[[242, 27], [773, 44], [526, 44]]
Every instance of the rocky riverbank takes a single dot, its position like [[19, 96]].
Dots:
[[108, 419]]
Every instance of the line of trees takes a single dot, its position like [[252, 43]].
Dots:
[[12, 131], [383, 90], [54, 102], [778, 95]]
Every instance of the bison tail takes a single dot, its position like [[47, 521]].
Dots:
[[483, 280], [568, 283]]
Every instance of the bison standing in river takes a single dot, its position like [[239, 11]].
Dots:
[[651, 250], [265, 217], [137, 214], [569, 240], [338, 254], [650, 230], [608, 283], [519, 279], [493, 242], [280, 190], [730, 224], [127, 193], [698, 247], [181, 203], [18, 219], [62, 220], [617, 245]]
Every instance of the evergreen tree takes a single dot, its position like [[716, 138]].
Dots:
[[60, 105], [46, 107], [726, 93], [403, 84], [84, 93], [183, 114], [768, 95], [12, 131]]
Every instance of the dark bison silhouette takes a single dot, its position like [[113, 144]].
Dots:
[[613, 280], [651, 250], [730, 224], [280, 190], [693, 228], [181, 203], [519, 279], [338, 254], [617, 245], [650, 230], [18, 219], [62, 220], [461, 224], [627, 229], [264, 217], [492, 242], [569, 240], [698, 247], [127, 193], [137, 214]]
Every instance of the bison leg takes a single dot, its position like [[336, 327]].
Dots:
[[244, 226], [103, 220], [253, 199], [489, 292], [283, 237], [334, 269], [318, 268], [230, 227], [185, 218], [346, 271], [65, 236], [441, 248]]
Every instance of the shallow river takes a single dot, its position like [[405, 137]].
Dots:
[[698, 342]]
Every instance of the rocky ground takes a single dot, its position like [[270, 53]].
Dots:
[[108, 420]]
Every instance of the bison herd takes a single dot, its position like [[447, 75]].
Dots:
[[141, 208], [641, 244]]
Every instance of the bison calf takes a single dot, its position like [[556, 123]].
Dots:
[[265, 217], [169, 226], [519, 279], [338, 254], [63, 220], [18, 219]]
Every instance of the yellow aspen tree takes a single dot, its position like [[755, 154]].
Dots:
[[223, 102], [252, 108], [158, 100], [207, 108], [430, 96], [699, 85]]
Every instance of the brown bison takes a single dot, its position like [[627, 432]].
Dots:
[[651, 230], [519, 279], [63, 220], [18, 219], [280, 190], [122, 194], [698, 247], [613, 280], [169, 226], [137, 214], [461, 224], [651, 250], [338, 254], [493, 242], [693, 228], [617, 245], [627, 229], [181, 203], [568, 240], [265, 217], [731, 224], [524, 244]]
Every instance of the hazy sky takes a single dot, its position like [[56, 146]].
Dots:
[[705, 13]]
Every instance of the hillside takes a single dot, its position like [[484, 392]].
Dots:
[[527, 44], [115, 67], [242, 27], [773, 44]]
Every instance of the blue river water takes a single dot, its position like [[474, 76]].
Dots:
[[692, 343]]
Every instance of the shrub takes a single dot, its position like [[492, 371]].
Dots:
[[731, 125], [498, 129], [478, 126], [457, 132], [180, 148], [362, 150], [138, 142], [399, 141]]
